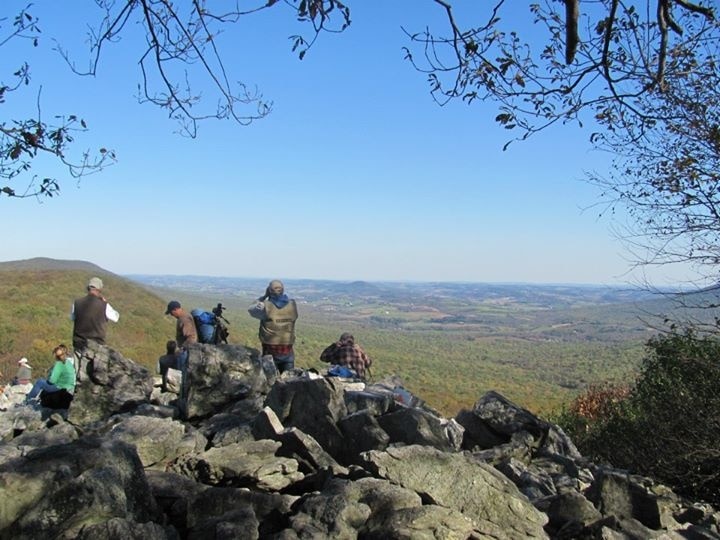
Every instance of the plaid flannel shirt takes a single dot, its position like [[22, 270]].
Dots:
[[347, 354]]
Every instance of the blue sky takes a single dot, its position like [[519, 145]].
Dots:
[[356, 175]]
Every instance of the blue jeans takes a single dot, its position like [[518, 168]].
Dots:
[[182, 362], [284, 362], [41, 385]]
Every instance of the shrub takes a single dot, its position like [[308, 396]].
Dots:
[[668, 426]]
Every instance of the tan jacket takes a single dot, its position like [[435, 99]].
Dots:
[[278, 326]]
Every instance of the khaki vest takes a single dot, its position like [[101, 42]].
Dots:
[[279, 326]]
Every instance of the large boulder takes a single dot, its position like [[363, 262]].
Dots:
[[312, 405], [220, 375], [494, 419], [624, 495], [456, 481], [110, 384], [158, 441], [362, 433], [375, 508], [225, 512], [417, 426], [246, 464], [54, 492]]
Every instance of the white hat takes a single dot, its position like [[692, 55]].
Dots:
[[24, 361], [95, 283]]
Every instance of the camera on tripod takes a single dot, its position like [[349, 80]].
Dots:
[[218, 310]]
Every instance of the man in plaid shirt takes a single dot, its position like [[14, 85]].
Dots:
[[344, 352]]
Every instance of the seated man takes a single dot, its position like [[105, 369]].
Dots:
[[61, 381], [344, 352]]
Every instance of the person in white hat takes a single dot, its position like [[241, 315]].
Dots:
[[24, 372], [90, 315]]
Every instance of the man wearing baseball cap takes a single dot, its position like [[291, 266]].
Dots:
[[185, 334], [90, 315]]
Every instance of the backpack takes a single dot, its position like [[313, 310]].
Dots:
[[205, 324]]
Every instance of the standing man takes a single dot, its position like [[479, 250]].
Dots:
[[185, 334], [185, 331], [277, 314], [90, 315]]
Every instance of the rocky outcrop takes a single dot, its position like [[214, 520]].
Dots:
[[241, 452]]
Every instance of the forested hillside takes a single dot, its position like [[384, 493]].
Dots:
[[538, 345], [35, 301]]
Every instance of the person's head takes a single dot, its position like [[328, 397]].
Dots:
[[347, 338], [60, 352], [171, 347], [23, 362], [95, 286], [275, 288], [174, 308]]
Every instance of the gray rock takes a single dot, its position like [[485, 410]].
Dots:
[[307, 452], [417, 426], [175, 495], [456, 481], [223, 510], [503, 417], [116, 528], [312, 405], [248, 464], [17, 420], [225, 428], [362, 432], [58, 490], [533, 483], [267, 425], [158, 441], [623, 495], [343, 507], [477, 435], [113, 384], [377, 403], [220, 375], [424, 522], [569, 506]]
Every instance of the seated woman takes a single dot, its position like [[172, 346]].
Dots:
[[56, 391]]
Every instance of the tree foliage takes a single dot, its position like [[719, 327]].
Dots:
[[599, 60], [179, 55], [667, 426], [645, 73], [22, 141]]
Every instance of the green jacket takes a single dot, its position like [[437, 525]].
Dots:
[[63, 375]]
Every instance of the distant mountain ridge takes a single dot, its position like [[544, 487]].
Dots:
[[46, 263]]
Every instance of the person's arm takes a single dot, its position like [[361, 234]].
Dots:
[[366, 359], [189, 332], [328, 355], [55, 373], [257, 310], [110, 313]]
